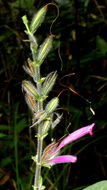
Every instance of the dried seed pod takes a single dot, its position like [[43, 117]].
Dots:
[[52, 105], [49, 83], [44, 49], [57, 120], [38, 19]]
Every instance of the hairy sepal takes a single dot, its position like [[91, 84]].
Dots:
[[49, 82], [30, 69], [52, 105], [31, 103], [44, 49], [29, 88], [49, 151], [38, 19]]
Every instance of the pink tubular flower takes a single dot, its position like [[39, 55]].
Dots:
[[70, 138], [62, 159], [76, 135]]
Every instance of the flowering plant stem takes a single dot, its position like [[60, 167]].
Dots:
[[43, 116], [39, 134], [39, 153]]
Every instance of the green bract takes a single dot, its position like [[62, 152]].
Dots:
[[25, 21]]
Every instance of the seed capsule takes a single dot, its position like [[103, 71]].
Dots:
[[44, 49], [52, 105], [38, 19], [29, 88], [46, 126], [31, 103]]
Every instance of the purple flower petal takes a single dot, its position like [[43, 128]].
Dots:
[[76, 135], [62, 159]]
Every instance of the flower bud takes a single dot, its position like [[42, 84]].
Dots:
[[51, 106], [44, 49], [38, 19]]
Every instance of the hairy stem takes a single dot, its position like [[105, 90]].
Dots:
[[38, 166], [39, 154], [39, 140]]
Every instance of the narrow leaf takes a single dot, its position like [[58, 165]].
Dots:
[[102, 185]]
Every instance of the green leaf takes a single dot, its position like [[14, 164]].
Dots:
[[101, 45], [102, 185], [28, 4], [21, 125], [4, 127], [2, 135], [5, 162]]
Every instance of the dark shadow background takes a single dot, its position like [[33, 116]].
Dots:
[[79, 54]]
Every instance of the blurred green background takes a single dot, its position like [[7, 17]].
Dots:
[[79, 54]]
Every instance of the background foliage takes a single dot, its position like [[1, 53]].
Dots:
[[80, 56]]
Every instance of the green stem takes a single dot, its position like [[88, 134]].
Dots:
[[39, 155], [39, 140]]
